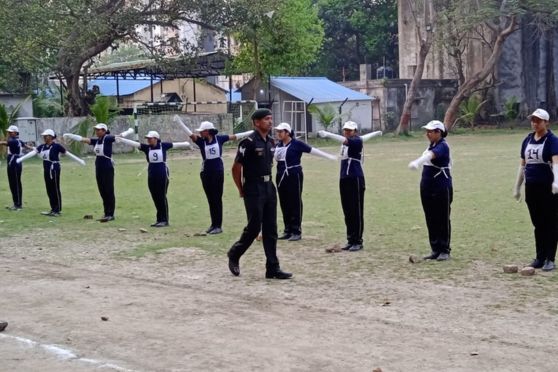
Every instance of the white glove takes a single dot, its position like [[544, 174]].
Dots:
[[181, 123], [555, 182], [323, 154], [337, 137], [128, 142], [366, 137], [74, 158], [30, 154], [415, 164], [242, 135], [127, 132], [74, 137], [180, 145], [519, 182]]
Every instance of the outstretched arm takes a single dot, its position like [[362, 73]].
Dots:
[[126, 133], [190, 134], [128, 142], [323, 154], [333, 136], [30, 154], [241, 135], [366, 137], [76, 137], [74, 158], [180, 145]]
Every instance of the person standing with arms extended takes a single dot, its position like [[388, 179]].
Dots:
[[251, 173], [157, 171], [436, 190], [50, 152], [351, 181], [15, 150], [212, 173], [104, 166], [539, 169], [290, 178]]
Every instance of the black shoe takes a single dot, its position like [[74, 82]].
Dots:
[[548, 266], [278, 274], [432, 256], [347, 247], [295, 237], [355, 247], [51, 214], [536, 263], [215, 230], [234, 266], [209, 229], [443, 257], [160, 224], [106, 219], [285, 236]]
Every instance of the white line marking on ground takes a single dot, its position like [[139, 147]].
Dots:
[[64, 354]]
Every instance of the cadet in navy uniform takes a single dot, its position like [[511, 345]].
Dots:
[[436, 190], [252, 165], [15, 150], [539, 169], [157, 172], [212, 173], [351, 182], [104, 166], [50, 153], [290, 178]]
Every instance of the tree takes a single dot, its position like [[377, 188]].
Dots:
[[276, 38], [356, 32], [64, 36], [424, 17]]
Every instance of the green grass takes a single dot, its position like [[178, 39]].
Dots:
[[489, 228]]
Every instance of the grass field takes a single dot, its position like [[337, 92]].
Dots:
[[490, 229]]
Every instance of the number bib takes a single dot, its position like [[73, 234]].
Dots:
[[45, 154], [534, 153], [212, 151], [281, 153], [99, 149], [156, 156], [344, 152]]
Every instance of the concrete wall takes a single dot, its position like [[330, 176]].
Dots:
[[163, 124], [12, 100]]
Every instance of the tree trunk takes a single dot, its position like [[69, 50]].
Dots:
[[76, 102], [550, 85], [405, 119], [474, 80]]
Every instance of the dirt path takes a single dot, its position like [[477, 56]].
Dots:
[[183, 311]]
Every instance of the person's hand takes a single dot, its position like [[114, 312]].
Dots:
[[414, 165], [555, 187], [322, 133], [517, 193]]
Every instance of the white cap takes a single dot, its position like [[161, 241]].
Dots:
[[541, 114], [284, 126], [205, 125], [435, 124], [48, 132], [350, 125], [101, 126], [13, 128], [152, 134]]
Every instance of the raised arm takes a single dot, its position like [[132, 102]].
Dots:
[[190, 134], [366, 137], [128, 142]]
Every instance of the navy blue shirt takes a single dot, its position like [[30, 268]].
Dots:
[[211, 153], [351, 157], [156, 157], [538, 157], [436, 173], [51, 155], [103, 150], [15, 146], [288, 156]]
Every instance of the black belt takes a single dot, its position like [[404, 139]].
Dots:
[[266, 178]]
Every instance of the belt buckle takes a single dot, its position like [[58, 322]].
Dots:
[[266, 178]]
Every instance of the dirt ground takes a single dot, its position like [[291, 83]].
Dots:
[[181, 310]]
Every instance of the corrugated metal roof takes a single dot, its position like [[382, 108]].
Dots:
[[126, 86], [320, 89]]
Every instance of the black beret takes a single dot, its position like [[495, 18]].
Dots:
[[261, 113]]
